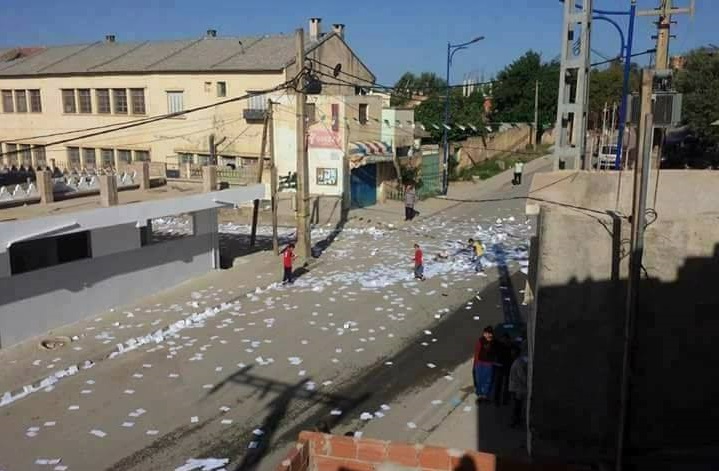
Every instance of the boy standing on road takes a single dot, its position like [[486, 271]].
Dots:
[[418, 263], [477, 252], [288, 256], [483, 366]]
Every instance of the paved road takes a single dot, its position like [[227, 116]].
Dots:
[[265, 361]]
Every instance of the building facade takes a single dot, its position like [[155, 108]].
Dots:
[[98, 87]]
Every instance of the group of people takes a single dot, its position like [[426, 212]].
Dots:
[[499, 371]]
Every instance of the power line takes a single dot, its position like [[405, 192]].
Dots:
[[619, 58], [162, 117]]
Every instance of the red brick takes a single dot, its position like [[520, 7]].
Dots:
[[405, 455], [434, 458], [324, 463], [474, 461], [374, 451], [343, 447], [353, 465]]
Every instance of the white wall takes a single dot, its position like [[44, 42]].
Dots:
[[114, 239], [325, 158]]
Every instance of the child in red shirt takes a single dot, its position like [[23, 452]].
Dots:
[[288, 255], [418, 263]]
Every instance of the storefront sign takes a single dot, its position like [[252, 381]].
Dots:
[[327, 176]]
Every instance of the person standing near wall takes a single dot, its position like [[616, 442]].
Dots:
[[518, 385], [288, 256], [410, 197], [483, 365], [518, 170]]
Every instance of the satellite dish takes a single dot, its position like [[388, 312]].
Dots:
[[336, 71]]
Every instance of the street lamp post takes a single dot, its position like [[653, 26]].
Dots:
[[451, 49]]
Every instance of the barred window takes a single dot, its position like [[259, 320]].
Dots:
[[20, 101], [73, 157], [107, 157], [84, 100], [119, 100], [88, 157], [8, 105], [137, 95], [102, 98], [142, 156], [68, 101], [35, 101]]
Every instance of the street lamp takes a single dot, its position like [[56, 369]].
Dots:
[[451, 49]]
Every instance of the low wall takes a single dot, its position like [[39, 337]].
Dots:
[[474, 151], [38, 301], [576, 327]]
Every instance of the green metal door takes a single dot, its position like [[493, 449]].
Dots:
[[431, 176]]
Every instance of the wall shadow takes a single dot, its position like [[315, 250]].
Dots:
[[577, 370]]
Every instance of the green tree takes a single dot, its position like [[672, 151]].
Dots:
[[699, 82], [465, 112], [409, 84], [513, 91], [605, 87]]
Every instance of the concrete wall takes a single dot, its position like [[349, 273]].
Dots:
[[474, 151], [578, 317], [36, 302], [394, 135]]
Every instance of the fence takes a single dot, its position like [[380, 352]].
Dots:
[[429, 180]]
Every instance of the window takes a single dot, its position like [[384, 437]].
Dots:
[[35, 254], [88, 157], [208, 87], [185, 158], [35, 101], [203, 159], [20, 101], [107, 157], [7, 103], [363, 113], [137, 95], [11, 153], [25, 155], [73, 157], [102, 97], [38, 153], [119, 101], [84, 102], [142, 156], [335, 117], [68, 101], [221, 89], [124, 156], [258, 102], [310, 113], [175, 102]]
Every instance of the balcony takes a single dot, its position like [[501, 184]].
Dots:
[[254, 114]]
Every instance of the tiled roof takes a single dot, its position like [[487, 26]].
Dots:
[[205, 54]]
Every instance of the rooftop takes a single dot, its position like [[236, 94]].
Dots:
[[208, 53]]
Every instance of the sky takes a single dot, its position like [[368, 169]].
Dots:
[[390, 36]]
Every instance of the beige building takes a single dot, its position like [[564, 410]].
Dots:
[[59, 104]]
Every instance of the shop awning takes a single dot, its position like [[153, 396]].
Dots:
[[369, 152]]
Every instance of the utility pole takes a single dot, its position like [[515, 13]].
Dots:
[[304, 242], [273, 178], [260, 169], [638, 221], [213, 148], [536, 115]]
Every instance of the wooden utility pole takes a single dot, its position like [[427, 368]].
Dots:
[[213, 148], [260, 169], [536, 115], [346, 180], [273, 179], [304, 242]]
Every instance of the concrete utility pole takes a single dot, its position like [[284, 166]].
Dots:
[[273, 179], [304, 242], [212, 146], [536, 115], [638, 221], [573, 101], [260, 169], [664, 26]]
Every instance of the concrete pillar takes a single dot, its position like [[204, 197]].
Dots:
[[209, 178], [143, 174], [108, 190], [188, 170], [45, 186]]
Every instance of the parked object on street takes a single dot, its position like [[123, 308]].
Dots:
[[518, 170], [483, 365], [410, 197], [288, 256], [418, 263]]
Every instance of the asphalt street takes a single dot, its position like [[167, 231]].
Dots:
[[248, 363]]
